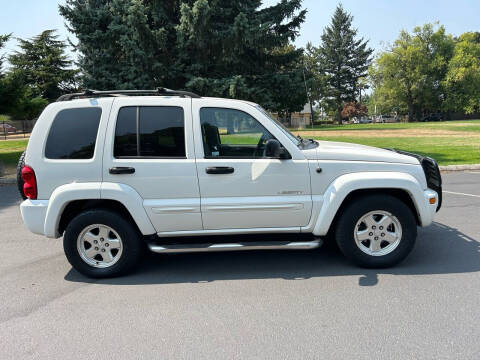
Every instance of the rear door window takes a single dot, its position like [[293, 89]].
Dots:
[[73, 134], [150, 131]]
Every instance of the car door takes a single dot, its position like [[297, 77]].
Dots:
[[240, 187], [149, 147]]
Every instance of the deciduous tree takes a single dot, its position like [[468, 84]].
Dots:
[[352, 109], [408, 77], [462, 81]]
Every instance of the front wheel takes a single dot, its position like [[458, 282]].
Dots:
[[100, 243], [376, 231]]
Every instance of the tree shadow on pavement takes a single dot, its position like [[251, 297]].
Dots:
[[439, 250]]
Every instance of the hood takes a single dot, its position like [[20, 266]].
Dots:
[[330, 150]]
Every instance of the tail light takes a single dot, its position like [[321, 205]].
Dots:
[[29, 182]]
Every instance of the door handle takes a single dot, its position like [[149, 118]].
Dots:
[[121, 170], [219, 170]]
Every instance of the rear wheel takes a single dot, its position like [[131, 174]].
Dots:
[[100, 243], [376, 231]]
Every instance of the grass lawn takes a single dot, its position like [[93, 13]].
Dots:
[[445, 150], [448, 142], [10, 151], [457, 125]]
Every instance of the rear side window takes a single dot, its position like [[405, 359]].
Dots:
[[73, 134], [150, 131]]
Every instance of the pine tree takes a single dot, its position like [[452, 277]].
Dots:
[[41, 63], [125, 44], [229, 48], [344, 59], [3, 40], [235, 49]]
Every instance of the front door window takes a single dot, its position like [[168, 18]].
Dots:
[[230, 133]]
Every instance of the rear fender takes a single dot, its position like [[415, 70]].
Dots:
[[67, 193]]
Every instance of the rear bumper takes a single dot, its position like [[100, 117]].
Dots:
[[34, 213]]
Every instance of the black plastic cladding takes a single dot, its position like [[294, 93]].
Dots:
[[432, 173]]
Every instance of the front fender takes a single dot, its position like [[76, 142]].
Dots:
[[342, 186]]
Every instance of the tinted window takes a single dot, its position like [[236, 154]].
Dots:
[[161, 132], [73, 134], [232, 133], [126, 132]]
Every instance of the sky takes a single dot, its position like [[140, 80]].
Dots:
[[379, 21]]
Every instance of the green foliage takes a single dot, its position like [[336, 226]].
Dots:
[[3, 40], [234, 49], [11, 88], [27, 107], [343, 59], [409, 76], [43, 66], [228, 48], [17, 98], [315, 77], [124, 44], [462, 81]]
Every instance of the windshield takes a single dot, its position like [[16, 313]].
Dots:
[[282, 127]]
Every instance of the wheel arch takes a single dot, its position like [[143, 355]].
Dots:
[[350, 187], [81, 196], [400, 194], [75, 207]]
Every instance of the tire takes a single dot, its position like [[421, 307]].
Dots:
[[125, 257], [352, 227], [20, 165]]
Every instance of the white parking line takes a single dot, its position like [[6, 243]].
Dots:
[[458, 193]]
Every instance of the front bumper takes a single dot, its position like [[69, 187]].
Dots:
[[430, 208], [34, 213], [432, 173]]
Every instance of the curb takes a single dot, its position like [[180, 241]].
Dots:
[[460, 167]]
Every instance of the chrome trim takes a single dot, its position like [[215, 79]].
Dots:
[[248, 207], [271, 245]]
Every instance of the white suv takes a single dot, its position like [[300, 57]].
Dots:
[[115, 172]]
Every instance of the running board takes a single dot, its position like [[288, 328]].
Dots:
[[272, 245]]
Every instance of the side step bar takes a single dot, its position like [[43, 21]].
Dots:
[[271, 245]]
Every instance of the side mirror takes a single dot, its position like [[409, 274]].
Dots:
[[273, 149]]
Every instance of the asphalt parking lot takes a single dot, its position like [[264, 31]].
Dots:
[[269, 305]]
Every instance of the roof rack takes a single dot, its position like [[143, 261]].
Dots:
[[108, 93]]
